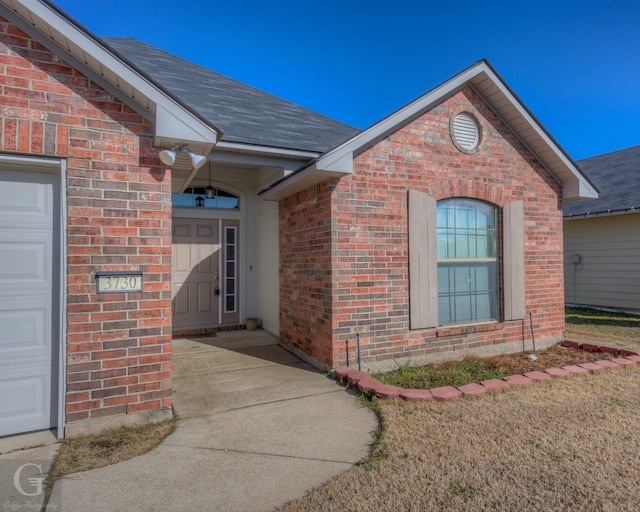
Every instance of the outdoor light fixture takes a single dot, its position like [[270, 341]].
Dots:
[[168, 156], [209, 192], [200, 202]]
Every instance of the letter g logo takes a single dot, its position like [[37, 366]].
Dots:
[[35, 482]]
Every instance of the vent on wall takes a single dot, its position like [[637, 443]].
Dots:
[[465, 131]]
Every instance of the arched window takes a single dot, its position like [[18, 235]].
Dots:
[[197, 197], [453, 260], [467, 261]]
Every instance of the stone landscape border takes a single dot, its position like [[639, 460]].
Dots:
[[364, 383]]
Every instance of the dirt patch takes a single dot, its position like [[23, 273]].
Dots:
[[474, 369], [554, 357], [96, 451]]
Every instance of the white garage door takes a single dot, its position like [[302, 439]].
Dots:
[[29, 299]]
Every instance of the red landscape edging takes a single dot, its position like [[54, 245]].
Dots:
[[365, 383]]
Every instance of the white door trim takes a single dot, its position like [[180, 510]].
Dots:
[[62, 388], [57, 166], [221, 214]]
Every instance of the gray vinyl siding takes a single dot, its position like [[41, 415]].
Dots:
[[609, 273]]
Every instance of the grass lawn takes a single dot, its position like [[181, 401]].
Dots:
[[604, 327], [564, 444]]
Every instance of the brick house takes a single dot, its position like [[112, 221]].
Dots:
[[431, 234], [438, 234]]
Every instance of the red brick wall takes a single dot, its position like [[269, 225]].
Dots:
[[370, 267], [305, 271], [118, 218]]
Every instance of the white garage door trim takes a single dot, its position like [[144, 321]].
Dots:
[[57, 167]]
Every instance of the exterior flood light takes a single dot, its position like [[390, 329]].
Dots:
[[168, 156]]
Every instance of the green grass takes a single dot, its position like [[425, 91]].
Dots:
[[605, 319], [606, 327], [455, 373]]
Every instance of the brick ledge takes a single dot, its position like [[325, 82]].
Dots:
[[443, 332], [364, 383]]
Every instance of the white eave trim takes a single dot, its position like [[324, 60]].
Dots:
[[301, 179], [72, 37], [575, 184], [339, 161], [266, 150]]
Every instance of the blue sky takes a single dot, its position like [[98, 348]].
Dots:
[[575, 64]]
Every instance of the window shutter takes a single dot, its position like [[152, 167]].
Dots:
[[513, 254], [423, 267]]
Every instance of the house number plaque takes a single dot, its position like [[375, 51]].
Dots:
[[119, 281]]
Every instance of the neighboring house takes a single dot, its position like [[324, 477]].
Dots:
[[433, 234], [602, 237]]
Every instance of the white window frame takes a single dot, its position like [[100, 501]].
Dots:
[[227, 292], [456, 261]]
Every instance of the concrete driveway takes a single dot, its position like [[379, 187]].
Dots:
[[257, 428]]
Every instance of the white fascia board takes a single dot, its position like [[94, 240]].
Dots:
[[173, 127], [336, 159], [267, 150], [300, 180], [241, 159], [576, 190], [289, 185], [341, 158], [44, 15], [339, 161], [575, 185]]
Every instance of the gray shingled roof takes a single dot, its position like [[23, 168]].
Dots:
[[617, 175], [245, 114]]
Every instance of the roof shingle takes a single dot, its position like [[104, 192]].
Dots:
[[245, 114], [617, 175]]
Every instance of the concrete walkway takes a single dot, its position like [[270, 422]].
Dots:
[[257, 428]]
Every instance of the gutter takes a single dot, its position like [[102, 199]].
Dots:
[[608, 213]]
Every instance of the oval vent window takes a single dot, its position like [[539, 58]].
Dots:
[[465, 131]]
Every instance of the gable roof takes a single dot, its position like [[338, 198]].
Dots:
[[486, 82], [617, 175], [153, 84], [245, 114]]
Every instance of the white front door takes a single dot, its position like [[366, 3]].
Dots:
[[196, 245], [29, 299], [205, 284]]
